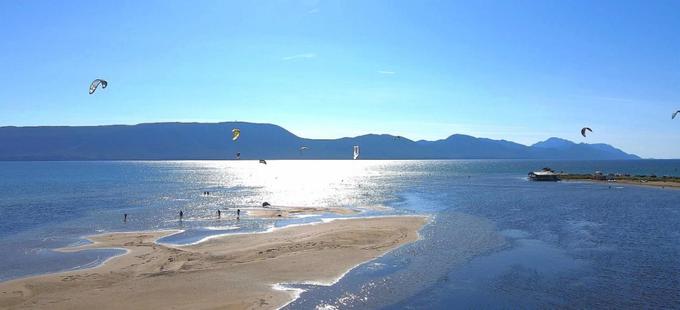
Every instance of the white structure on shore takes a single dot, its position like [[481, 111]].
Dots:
[[544, 175]]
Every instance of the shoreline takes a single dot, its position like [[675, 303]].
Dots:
[[273, 212], [653, 184], [237, 270]]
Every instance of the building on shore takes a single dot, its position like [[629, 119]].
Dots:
[[545, 175]]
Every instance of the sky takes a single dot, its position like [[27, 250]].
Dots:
[[517, 70]]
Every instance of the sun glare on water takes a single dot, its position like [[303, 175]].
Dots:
[[295, 182]]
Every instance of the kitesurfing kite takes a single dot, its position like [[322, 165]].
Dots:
[[96, 83], [235, 133], [583, 131], [262, 161], [675, 114], [356, 152], [303, 148]]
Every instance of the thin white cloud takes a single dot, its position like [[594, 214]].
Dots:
[[299, 56], [386, 72]]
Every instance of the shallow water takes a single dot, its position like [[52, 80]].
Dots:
[[496, 240]]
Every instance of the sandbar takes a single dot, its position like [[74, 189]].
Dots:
[[660, 183], [283, 211], [237, 271]]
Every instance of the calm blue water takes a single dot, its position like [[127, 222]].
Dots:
[[495, 241]]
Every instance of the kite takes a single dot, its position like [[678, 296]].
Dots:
[[96, 83], [583, 131]]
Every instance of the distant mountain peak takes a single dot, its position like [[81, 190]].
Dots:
[[459, 135], [554, 143], [173, 141]]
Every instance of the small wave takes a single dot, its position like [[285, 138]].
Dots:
[[78, 242], [221, 227], [91, 264], [33, 251], [305, 215], [375, 266], [293, 291]]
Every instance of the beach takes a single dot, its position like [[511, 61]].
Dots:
[[661, 183], [650, 180], [494, 240], [239, 271]]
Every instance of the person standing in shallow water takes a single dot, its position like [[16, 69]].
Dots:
[[181, 214], [238, 213], [219, 213], [125, 218]]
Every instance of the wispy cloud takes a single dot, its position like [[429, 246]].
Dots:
[[386, 72], [299, 56]]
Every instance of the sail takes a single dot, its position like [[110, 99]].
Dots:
[[96, 83], [356, 151], [583, 131]]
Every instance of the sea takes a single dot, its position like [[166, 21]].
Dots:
[[494, 238]]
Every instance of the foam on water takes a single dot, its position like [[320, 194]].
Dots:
[[221, 227]]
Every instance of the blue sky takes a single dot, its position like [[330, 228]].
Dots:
[[517, 70]]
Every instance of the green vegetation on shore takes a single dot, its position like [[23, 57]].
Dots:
[[620, 177]]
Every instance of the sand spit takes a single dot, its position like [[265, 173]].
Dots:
[[231, 272], [662, 184], [279, 212]]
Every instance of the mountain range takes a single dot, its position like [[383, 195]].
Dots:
[[184, 141]]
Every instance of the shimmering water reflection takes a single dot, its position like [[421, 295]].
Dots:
[[496, 240]]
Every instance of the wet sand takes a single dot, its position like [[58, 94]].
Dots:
[[278, 211], [230, 272]]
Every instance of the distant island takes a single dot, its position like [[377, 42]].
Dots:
[[206, 141]]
